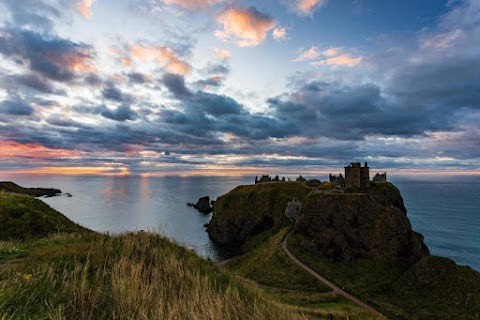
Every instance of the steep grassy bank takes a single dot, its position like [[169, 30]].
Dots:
[[24, 217], [269, 267], [78, 274], [433, 288], [133, 276]]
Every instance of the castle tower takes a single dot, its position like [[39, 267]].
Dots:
[[357, 176]]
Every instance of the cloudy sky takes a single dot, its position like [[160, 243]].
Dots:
[[238, 86]]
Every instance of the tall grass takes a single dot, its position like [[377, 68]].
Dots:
[[133, 276]]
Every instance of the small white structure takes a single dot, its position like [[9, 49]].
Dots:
[[293, 208]]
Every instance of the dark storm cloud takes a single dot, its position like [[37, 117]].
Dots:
[[453, 82], [218, 69], [212, 82], [36, 82], [93, 80], [113, 93], [353, 112], [65, 123], [16, 107], [206, 114], [176, 85], [217, 105], [122, 113], [137, 77], [52, 57]]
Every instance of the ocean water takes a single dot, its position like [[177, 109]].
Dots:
[[446, 209]]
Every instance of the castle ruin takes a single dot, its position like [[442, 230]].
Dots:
[[357, 176], [380, 177]]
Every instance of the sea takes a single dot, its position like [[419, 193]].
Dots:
[[445, 209]]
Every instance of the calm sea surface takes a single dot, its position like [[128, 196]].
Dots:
[[446, 210]]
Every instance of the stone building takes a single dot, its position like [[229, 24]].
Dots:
[[339, 180], [380, 177], [301, 179], [357, 176], [293, 208]]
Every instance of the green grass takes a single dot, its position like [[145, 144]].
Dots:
[[133, 276], [51, 268], [269, 267], [8, 186], [24, 217], [433, 288]]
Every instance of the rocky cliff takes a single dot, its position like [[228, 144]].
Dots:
[[349, 227], [250, 210]]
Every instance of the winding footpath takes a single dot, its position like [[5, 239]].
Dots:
[[335, 289]]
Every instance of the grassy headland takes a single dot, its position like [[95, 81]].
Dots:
[[51, 268], [360, 239], [9, 186], [24, 217]]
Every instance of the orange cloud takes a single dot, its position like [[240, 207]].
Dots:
[[84, 7], [306, 7], [126, 61], [344, 60], [331, 52], [341, 60], [192, 4], [80, 64], [178, 67], [100, 171], [309, 54], [14, 150], [248, 26], [222, 54], [161, 54]]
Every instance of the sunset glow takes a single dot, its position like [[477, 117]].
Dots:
[[212, 87]]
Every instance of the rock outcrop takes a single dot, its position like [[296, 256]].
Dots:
[[203, 205], [350, 227], [250, 210]]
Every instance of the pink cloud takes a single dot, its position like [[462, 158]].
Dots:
[[309, 54], [192, 4], [345, 60], [84, 7], [170, 60], [307, 7], [222, 54], [249, 27]]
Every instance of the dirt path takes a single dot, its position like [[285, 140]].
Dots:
[[325, 281]]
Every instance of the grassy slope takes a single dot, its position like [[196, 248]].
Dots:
[[23, 217], [8, 186], [269, 266], [433, 288], [84, 275], [134, 276]]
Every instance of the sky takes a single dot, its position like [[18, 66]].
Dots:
[[154, 87]]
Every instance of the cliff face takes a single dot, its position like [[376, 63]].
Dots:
[[250, 210], [348, 227]]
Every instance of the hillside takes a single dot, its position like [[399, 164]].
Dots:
[[8, 186], [361, 240], [84, 275], [24, 217], [250, 210]]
